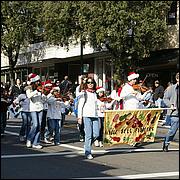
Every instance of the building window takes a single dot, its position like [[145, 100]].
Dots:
[[172, 14]]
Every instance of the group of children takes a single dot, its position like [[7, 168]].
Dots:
[[43, 111]]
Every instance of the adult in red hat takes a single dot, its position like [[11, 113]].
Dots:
[[128, 94]]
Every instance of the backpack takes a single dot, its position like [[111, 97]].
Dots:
[[76, 101]]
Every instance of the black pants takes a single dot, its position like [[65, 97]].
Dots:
[[43, 123], [3, 121], [100, 138], [81, 130]]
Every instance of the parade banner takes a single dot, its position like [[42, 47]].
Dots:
[[130, 126]]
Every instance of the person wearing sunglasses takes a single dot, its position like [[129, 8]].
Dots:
[[87, 110]]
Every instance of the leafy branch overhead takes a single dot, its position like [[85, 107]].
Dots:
[[108, 23], [19, 24], [124, 27]]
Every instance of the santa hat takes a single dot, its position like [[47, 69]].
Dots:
[[33, 77], [100, 89], [132, 75], [29, 76], [48, 83]]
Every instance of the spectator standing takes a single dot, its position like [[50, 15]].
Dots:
[[171, 99], [65, 85], [167, 121], [16, 89], [158, 94], [4, 107], [87, 110], [7, 85]]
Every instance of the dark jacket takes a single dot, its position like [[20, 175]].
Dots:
[[158, 93], [16, 91]]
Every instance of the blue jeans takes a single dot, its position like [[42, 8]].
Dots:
[[25, 127], [55, 125], [172, 131], [159, 103], [167, 120], [34, 134], [91, 128]]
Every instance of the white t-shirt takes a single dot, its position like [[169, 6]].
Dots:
[[130, 100]]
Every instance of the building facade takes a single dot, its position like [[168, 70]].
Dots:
[[54, 62]]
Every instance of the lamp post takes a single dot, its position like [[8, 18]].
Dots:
[[81, 55], [131, 38]]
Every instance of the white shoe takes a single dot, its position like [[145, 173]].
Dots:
[[47, 142], [89, 156], [96, 143], [57, 144], [101, 144], [51, 138], [37, 146], [28, 144]]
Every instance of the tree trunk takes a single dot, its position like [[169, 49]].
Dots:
[[11, 74]]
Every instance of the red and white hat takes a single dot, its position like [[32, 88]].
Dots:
[[29, 76], [48, 83], [132, 75], [100, 89], [33, 77]]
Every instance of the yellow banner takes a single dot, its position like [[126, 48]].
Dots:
[[130, 126]]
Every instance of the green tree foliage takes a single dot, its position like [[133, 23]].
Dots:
[[19, 26], [96, 22], [108, 23]]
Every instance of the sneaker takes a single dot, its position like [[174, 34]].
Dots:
[[28, 144], [81, 139], [89, 156], [101, 144], [47, 142], [165, 147], [51, 138], [57, 144], [37, 146], [96, 143]]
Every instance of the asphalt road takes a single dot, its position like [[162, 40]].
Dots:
[[67, 161]]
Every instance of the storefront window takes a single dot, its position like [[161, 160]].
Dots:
[[36, 70], [51, 73], [172, 14]]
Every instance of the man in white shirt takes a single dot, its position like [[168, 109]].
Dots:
[[128, 94]]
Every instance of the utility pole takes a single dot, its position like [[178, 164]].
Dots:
[[81, 57]]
